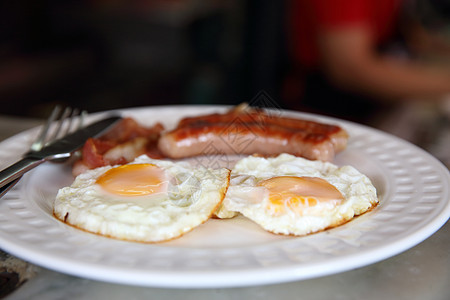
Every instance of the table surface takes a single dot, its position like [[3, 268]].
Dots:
[[422, 272]]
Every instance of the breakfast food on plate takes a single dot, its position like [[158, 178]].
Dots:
[[241, 130], [147, 200], [121, 145], [252, 131], [295, 196], [125, 190]]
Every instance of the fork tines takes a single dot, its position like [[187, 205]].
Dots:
[[60, 123]]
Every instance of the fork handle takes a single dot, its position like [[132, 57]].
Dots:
[[7, 187], [18, 169]]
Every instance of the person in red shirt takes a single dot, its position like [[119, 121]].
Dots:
[[337, 46]]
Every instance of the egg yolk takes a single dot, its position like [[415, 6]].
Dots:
[[299, 193], [134, 180]]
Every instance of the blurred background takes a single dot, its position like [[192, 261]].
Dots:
[[101, 54], [106, 54]]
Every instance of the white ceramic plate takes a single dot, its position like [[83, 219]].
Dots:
[[413, 189]]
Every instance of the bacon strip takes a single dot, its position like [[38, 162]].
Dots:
[[120, 145]]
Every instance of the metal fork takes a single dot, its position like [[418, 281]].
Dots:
[[51, 132]]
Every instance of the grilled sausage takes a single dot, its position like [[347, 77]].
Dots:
[[252, 132]]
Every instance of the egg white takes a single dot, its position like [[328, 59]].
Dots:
[[245, 197], [193, 194]]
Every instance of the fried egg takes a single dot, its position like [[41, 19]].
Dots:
[[294, 196], [147, 200]]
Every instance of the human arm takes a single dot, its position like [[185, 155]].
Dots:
[[352, 63]]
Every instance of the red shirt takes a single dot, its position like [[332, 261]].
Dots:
[[310, 18]]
